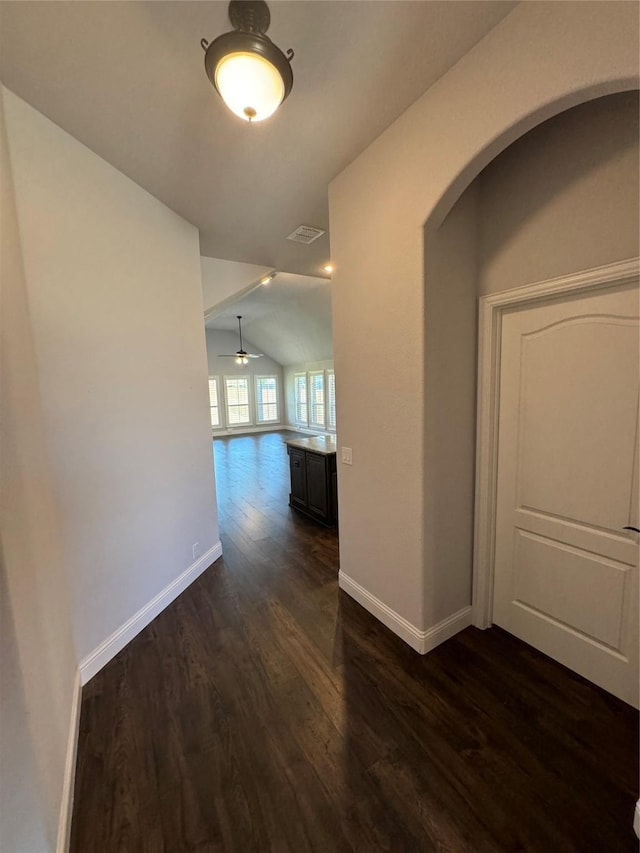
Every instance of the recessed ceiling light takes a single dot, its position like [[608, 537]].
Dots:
[[328, 267], [267, 279]]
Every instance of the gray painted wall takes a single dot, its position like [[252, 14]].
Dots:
[[22, 816], [562, 198], [451, 264]]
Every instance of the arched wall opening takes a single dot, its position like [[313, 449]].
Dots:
[[560, 199], [542, 59]]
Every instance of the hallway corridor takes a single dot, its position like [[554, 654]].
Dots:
[[266, 711]]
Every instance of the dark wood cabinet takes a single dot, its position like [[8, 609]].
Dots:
[[298, 469], [313, 483]]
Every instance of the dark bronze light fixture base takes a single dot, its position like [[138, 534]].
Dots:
[[250, 16]]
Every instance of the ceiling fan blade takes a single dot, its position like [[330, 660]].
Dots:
[[240, 354]]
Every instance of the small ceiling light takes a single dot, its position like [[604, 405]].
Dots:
[[251, 74], [328, 267], [267, 279]]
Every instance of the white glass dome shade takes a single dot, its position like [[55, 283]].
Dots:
[[250, 73], [249, 85]]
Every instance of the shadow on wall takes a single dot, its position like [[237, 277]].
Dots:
[[41, 662], [572, 190], [21, 812]]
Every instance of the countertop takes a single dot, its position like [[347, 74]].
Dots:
[[325, 444]]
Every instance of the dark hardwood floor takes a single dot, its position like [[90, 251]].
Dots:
[[266, 711]]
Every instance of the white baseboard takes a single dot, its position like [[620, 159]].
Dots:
[[249, 430], [421, 641], [110, 647], [446, 629], [66, 805], [636, 819]]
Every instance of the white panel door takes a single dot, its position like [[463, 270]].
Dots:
[[566, 573]]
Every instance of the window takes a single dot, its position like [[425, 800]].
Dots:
[[214, 404], [331, 399], [316, 399], [300, 392], [237, 398], [266, 399]]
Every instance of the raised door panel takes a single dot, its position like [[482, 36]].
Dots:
[[317, 486], [298, 470], [566, 577], [577, 420]]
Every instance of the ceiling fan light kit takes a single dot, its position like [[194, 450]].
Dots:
[[249, 72]]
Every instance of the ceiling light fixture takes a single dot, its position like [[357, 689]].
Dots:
[[251, 74], [328, 268], [267, 279]]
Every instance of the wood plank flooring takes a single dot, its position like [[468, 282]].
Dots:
[[266, 711]]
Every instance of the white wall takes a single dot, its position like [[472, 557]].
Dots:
[[411, 175], [39, 662], [563, 198], [221, 342], [290, 401], [113, 281], [107, 470]]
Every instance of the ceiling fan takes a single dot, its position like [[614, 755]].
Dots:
[[241, 356]]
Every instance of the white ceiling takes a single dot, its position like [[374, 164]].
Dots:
[[224, 282], [127, 79], [289, 319]]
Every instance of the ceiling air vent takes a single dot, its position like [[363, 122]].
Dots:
[[305, 234]]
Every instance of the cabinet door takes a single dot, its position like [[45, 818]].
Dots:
[[317, 486], [298, 471]]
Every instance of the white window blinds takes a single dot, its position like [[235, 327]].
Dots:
[[300, 392], [237, 398], [266, 399], [214, 404], [316, 399], [331, 399]]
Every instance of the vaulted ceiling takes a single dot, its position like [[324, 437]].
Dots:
[[289, 320]]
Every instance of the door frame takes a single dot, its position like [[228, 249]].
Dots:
[[490, 311]]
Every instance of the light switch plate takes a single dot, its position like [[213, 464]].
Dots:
[[346, 456]]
